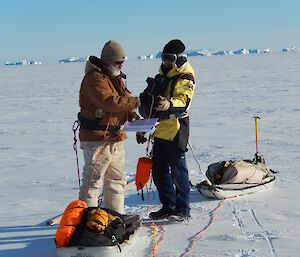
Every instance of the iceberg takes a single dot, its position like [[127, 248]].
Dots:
[[73, 59], [201, 52], [9, 63], [290, 49], [220, 53], [23, 62], [241, 51]]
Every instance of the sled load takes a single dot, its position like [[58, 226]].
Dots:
[[234, 178], [227, 179], [93, 232]]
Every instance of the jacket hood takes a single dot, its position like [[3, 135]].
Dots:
[[95, 64]]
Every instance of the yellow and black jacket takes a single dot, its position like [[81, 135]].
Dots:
[[179, 92]]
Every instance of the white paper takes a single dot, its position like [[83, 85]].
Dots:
[[143, 125]]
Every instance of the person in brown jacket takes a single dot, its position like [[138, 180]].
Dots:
[[105, 105]]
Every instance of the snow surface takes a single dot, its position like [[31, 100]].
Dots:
[[38, 105]]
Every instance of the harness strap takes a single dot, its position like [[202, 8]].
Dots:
[[187, 76], [94, 125], [175, 79]]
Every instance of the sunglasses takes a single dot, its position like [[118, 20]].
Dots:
[[119, 63], [168, 57]]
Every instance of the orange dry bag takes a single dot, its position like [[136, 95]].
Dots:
[[143, 171], [70, 219]]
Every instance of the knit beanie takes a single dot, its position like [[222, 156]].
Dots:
[[175, 46], [112, 52]]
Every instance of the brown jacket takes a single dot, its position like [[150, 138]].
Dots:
[[103, 93]]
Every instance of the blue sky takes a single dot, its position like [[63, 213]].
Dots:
[[51, 30]]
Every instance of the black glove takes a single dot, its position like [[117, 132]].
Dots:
[[140, 137], [146, 99]]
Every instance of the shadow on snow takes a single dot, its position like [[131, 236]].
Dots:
[[27, 241]]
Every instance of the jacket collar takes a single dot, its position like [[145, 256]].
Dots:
[[184, 68], [95, 64]]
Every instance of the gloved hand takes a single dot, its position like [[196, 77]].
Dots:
[[162, 104], [145, 99], [140, 137]]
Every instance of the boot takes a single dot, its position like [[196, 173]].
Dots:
[[163, 213], [180, 217]]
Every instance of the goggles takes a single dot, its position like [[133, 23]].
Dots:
[[168, 57]]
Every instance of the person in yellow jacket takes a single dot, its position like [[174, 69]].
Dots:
[[170, 173], [105, 105]]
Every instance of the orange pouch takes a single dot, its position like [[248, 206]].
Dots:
[[98, 220], [70, 219], [143, 171]]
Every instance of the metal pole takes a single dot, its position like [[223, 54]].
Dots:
[[256, 134], [257, 156]]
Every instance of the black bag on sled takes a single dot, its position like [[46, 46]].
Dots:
[[119, 229]]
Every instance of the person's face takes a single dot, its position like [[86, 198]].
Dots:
[[118, 65], [115, 68], [169, 60], [169, 64]]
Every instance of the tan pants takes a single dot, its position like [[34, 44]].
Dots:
[[110, 165]]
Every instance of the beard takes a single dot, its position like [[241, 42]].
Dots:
[[114, 70]]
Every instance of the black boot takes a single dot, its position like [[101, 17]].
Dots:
[[180, 216], [163, 213]]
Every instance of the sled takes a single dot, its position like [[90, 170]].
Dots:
[[99, 251], [223, 191]]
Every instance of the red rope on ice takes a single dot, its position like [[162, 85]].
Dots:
[[162, 235], [205, 229]]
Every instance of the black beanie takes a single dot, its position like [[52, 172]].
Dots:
[[175, 46]]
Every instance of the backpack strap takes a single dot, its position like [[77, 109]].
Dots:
[[187, 76]]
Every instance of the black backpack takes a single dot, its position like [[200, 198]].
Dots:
[[116, 233]]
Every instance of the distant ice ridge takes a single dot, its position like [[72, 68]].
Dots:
[[23, 62], [77, 59], [73, 59], [205, 52], [144, 57], [290, 49]]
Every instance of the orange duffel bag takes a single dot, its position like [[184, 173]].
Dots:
[[70, 219]]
